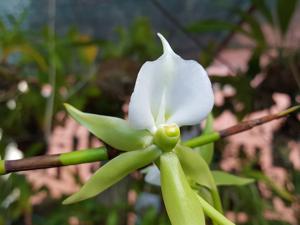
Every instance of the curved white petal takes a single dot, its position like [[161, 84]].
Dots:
[[190, 96], [170, 90], [153, 175], [12, 152]]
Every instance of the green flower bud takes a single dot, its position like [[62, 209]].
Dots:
[[167, 136]]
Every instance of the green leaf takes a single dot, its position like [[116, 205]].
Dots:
[[285, 11], [225, 179], [113, 171], [114, 131], [207, 151], [254, 63], [180, 200], [281, 191], [210, 26]]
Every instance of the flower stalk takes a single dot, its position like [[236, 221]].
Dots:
[[57, 160], [101, 153]]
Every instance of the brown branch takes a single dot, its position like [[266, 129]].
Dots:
[[247, 125], [98, 154], [33, 163]]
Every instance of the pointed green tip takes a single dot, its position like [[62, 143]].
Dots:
[[76, 197], [70, 200], [72, 110], [68, 106], [289, 110], [66, 202]]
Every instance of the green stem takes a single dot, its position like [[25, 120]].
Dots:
[[78, 157], [203, 139], [213, 213], [2, 167], [90, 155]]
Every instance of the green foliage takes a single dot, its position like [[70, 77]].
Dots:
[[139, 42], [210, 25], [280, 191], [14, 198], [225, 179], [285, 11]]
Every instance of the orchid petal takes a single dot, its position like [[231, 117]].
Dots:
[[170, 90], [153, 175]]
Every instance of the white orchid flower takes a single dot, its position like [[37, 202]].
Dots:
[[170, 90]]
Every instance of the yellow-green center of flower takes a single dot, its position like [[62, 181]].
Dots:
[[167, 136]]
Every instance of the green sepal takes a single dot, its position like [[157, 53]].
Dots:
[[226, 179], [211, 212], [207, 151], [194, 166], [196, 169], [180, 200], [114, 131], [113, 171]]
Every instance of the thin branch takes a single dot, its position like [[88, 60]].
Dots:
[[57, 160], [241, 127], [105, 153]]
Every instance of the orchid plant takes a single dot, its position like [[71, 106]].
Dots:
[[169, 93]]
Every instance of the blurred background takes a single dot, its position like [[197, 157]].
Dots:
[[88, 53]]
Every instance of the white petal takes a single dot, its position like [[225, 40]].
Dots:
[[153, 175], [190, 96], [170, 90], [12, 152]]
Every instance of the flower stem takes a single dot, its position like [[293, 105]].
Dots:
[[93, 155], [203, 139], [241, 127], [58, 160], [2, 167]]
